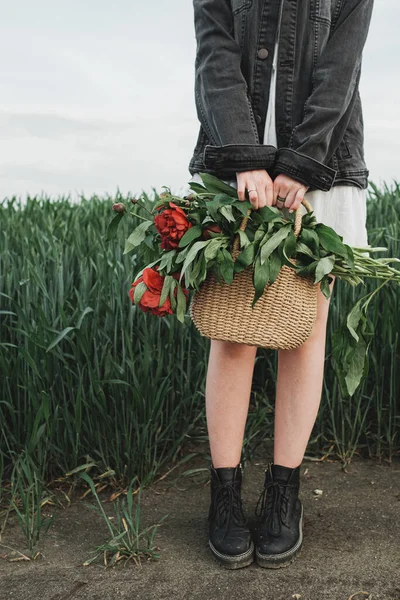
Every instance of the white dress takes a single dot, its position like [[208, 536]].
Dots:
[[343, 207]]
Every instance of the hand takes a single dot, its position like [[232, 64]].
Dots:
[[291, 189], [258, 180]]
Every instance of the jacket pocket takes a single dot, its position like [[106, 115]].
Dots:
[[239, 5], [321, 10]]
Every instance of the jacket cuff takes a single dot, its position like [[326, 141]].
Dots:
[[305, 169], [230, 158]]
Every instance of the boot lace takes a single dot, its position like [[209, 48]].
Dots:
[[228, 506], [273, 502]]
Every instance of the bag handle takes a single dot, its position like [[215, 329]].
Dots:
[[297, 224]]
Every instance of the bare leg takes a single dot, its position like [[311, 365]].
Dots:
[[299, 389], [228, 387]]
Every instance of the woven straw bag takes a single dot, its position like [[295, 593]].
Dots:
[[282, 318]]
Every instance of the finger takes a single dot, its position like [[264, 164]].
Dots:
[[282, 190], [289, 198], [262, 196], [241, 187], [298, 199], [253, 197], [276, 192], [269, 192]]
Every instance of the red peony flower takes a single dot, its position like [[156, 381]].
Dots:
[[210, 227], [172, 224], [151, 297]]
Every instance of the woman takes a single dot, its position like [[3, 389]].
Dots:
[[280, 128]]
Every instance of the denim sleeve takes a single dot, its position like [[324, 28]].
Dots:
[[327, 110], [221, 94]]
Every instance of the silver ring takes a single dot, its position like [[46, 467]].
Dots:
[[252, 191]]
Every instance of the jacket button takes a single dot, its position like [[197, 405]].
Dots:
[[258, 118], [262, 53]]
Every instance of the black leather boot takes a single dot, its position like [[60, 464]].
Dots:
[[279, 533], [229, 537]]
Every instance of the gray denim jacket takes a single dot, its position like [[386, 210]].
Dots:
[[319, 121]]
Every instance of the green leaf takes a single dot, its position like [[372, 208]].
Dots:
[[212, 209], [113, 227], [302, 248], [324, 267], [149, 241], [196, 187], [289, 249], [325, 288], [197, 246], [260, 278], [212, 249], [139, 291], [243, 206], [270, 214], [216, 206], [191, 255], [165, 289], [181, 304], [220, 256], [87, 310], [275, 265], [215, 185], [311, 239], [172, 298], [182, 254], [196, 269], [307, 270], [148, 266], [137, 236], [353, 319], [243, 237], [308, 221], [356, 366], [244, 259], [216, 268], [167, 259], [273, 242], [195, 215], [188, 274], [203, 271], [350, 347], [191, 234], [350, 255], [330, 240], [226, 211], [226, 266], [260, 233], [59, 337]]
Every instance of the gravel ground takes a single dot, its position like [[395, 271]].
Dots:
[[351, 545]]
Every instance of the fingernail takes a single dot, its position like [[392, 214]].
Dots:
[[290, 210]]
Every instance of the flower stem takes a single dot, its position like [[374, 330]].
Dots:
[[139, 217]]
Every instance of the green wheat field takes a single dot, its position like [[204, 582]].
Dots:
[[88, 378]]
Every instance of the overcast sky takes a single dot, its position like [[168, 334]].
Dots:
[[96, 96]]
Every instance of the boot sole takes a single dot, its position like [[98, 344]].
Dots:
[[284, 559], [232, 561]]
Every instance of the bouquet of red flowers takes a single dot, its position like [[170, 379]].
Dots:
[[181, 240]]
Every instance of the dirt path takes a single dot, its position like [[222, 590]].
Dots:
[[351, 544]]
